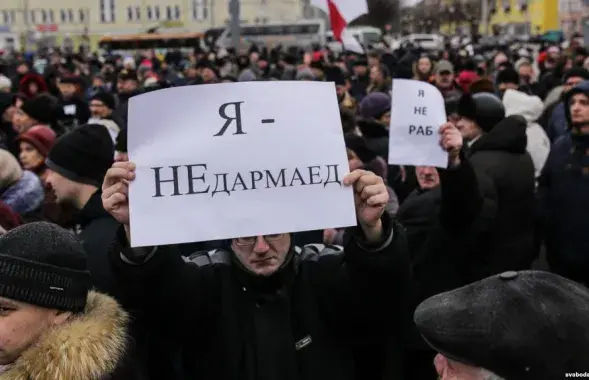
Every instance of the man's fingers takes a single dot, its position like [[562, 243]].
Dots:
[[114, 200], [119, 187], [370, 191], [378, 200], [115, 175], [352, 177]]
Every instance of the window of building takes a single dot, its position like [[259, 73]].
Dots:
[[137, 13], [51, 16], [107, 11], [149, 14], [82, 15], [200, 10], [157, 12], [43, 16], [130, 13], [177, 13], [33, 16], [168, 12], [70, 15], [63, 16], [5, 18]]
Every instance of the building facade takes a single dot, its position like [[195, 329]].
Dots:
[[573, 14], [521, 17], [71, 21]]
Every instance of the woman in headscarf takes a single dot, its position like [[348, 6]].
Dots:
[[35, 145]]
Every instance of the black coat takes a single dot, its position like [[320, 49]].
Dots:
[[324, 315], [97, 229], [501, 155], [444, 226]]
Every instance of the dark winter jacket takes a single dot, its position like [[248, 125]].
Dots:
[[97, 229], [501, 155], [443, 227], [564, 203], [323, 315], [557, 126]]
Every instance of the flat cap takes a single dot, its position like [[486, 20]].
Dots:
[[519, 325]]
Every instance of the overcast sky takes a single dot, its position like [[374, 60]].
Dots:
[[409, 2]]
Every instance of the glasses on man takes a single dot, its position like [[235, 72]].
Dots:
[[251, 240]]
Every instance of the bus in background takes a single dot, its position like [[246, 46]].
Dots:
[[301, 33], [121, 44], [366, 35]]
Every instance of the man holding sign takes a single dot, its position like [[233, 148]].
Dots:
[[259, 308]]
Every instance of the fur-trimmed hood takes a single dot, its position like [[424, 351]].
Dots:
[[89, 346]]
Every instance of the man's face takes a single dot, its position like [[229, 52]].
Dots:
[[376, 74], [427, 177], [126, 85], [579, 106], [67, 89], [373, 61], [340, 90], [98, 109], [97, 82], [21, 121], [444, 79], [8, 114], [21, 325], [208, 75], [360, 70], [262, 255], [526, 72], [571, 82], [468, 129], [385, 119], [22, 69], [63, 188]]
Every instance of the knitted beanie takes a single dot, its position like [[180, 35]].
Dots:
[[44, 265], [42, 108], [105, 98], [83, 155]]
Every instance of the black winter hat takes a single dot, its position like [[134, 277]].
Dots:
[[357, 144], [42, 107], [83, 155], [44, 265], [578, 72], [484, 108], [106, 98], [508, 75], [336, 75], [528, 325], [6, 100]]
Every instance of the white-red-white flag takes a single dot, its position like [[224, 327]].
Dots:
[[341, 13]]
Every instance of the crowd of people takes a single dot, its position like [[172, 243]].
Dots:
[[439, 279]]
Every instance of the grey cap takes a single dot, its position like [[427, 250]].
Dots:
[[520, 325]]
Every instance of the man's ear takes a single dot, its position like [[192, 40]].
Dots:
[[59, 317], [441, 364]]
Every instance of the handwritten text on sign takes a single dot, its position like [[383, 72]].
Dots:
[[239, 159], [417, 113]]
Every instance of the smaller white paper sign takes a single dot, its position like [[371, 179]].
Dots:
[[417, 113], [70, 109], [237, 159]]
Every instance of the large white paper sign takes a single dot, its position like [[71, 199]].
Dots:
[[417, 113], [236, 159]]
